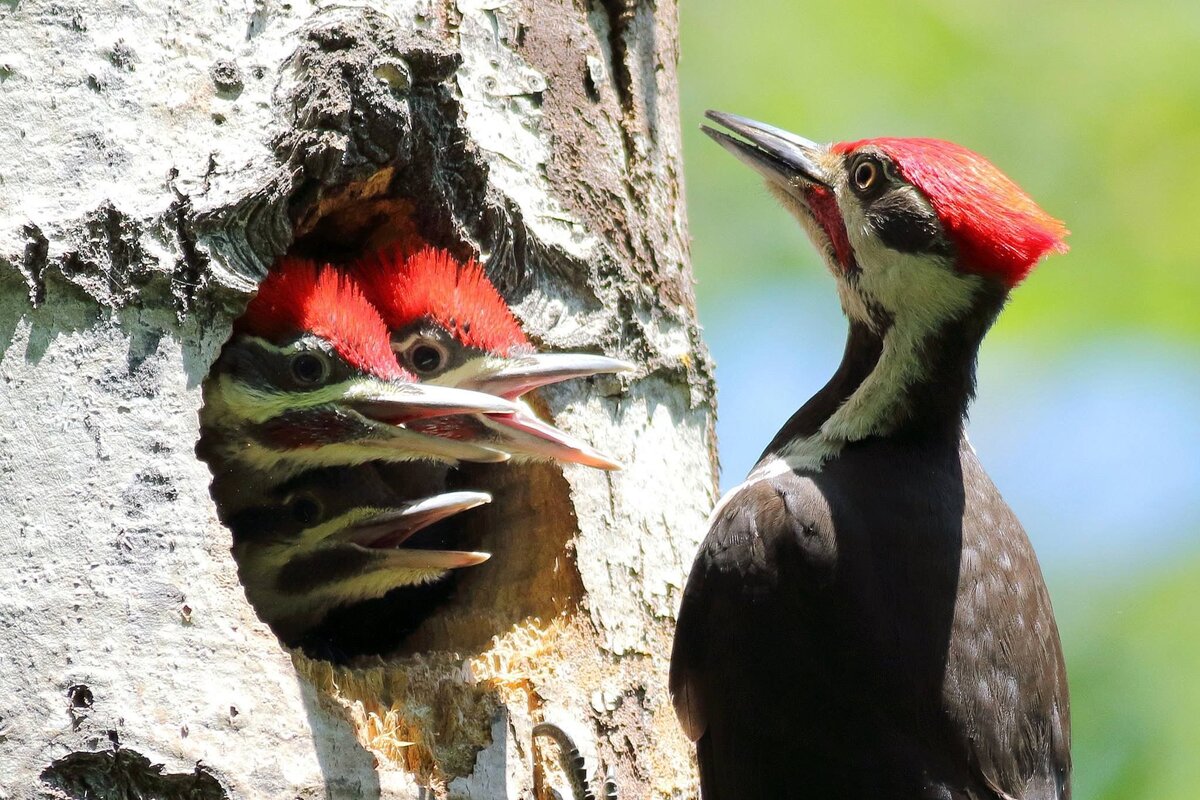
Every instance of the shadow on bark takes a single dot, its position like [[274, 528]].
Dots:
[[121, 773]]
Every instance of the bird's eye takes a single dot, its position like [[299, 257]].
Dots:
[[866, 175], [309, 369], [306, 509], [426, 358]]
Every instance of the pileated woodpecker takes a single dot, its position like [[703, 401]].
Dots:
[[335, 536], [307, 387], [866, 617], [328, 453], [309, 380], [450, 326]]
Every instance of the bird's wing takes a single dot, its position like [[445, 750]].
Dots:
[[767, 535], [1005, 680]]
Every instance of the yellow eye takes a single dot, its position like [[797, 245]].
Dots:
[[866, 174]]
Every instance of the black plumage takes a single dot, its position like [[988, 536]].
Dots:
[[866, 619], [875, 629]]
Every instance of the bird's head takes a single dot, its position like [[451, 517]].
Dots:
[[337, 536], [911, 228], [309, 379], [451, 327]]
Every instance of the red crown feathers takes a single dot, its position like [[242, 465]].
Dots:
[[999, 230], [430, 283], [300, 297]]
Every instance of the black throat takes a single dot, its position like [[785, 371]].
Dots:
[[933, 405]]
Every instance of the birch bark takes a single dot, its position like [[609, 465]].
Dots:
[[155, 159]]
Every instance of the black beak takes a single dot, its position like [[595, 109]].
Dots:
[[779, 156]]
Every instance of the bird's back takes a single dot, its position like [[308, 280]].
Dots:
[[893, 605]]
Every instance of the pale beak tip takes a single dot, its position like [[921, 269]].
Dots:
[[596, 459], [443, 559], [474, 559], [494, 456]]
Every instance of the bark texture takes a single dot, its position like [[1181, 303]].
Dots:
[[155, 159]]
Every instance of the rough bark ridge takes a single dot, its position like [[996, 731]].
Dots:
[[157, 158]]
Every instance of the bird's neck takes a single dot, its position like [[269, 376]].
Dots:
[[894, 381]]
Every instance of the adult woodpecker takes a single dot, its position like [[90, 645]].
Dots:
[[866, 617], [450, 326], [337, 536]]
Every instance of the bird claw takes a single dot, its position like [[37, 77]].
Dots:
[[578, 751], [610, 785]]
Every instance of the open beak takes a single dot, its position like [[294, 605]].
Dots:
[[779, 156], [398, 403], [520, 434], [391, 527], [524, 434], [388, 529], [516, 430], [416, 418], [519, 374]]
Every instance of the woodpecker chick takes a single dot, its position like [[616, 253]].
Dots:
[[449, 326], [866, 617], [309, 380], [337, 536]]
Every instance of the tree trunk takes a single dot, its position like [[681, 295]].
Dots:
[[156, 159]]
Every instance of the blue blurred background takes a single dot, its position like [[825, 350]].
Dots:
[[1089, 384]]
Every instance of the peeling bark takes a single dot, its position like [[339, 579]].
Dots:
[[157, 159]]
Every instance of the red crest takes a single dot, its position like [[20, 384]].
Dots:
[[999, 230], [298, 296], [431, 284]]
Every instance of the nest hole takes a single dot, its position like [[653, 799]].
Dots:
[[528, 527]]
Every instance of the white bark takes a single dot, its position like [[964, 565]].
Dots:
[[155, 158]]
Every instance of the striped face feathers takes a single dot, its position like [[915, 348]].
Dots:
[[972, 209], [919, 233], [873, 205]]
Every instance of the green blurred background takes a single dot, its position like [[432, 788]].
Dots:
[[1087, 417]]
